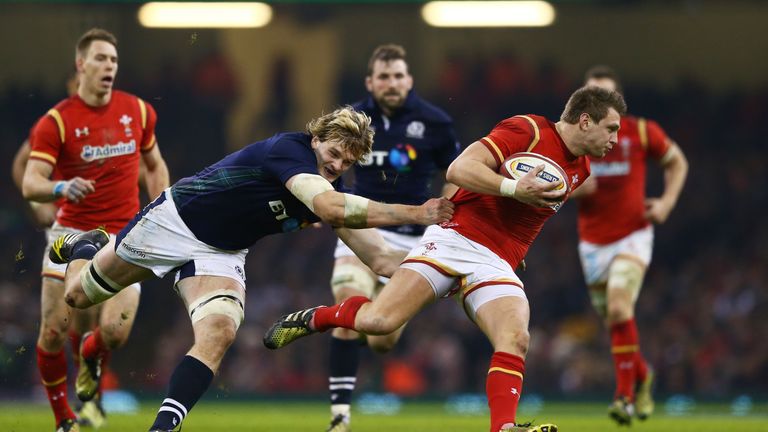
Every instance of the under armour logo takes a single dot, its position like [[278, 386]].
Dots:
[[83, 131], [514, 391], [575, 179]]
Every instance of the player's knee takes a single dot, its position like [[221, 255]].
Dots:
[[77, 299], [223, 310], [351, 279], [598, 301], [514, 342], [222, 329], [52, 336], [96, 286], [381, 345], [115, 333]]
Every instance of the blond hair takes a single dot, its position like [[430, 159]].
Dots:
[[345, 125]]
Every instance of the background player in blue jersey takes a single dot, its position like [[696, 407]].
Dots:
[[200, 228], [414, 142]]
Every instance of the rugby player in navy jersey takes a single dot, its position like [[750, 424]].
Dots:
[[414, 143], [200, 228]]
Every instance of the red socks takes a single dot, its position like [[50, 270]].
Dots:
[[340, 315], [53, 371], [93, 346], [628, 363], [503, 386]]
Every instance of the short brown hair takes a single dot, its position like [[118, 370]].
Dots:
[[385, 53], [345, 125], [603, 72], [594, 101], [94, 34]]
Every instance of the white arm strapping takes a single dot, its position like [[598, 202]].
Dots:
[[355, 211], [508, 187], [306, 187]]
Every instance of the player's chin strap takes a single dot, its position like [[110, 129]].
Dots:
[[220, 302], [96, 285]]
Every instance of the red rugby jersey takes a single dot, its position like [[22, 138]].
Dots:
[[505, 225], [101, 144], [617, 208]]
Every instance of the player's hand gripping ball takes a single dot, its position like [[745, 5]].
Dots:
[[519, 164]]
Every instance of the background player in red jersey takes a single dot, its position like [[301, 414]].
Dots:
[[94, 140], [616, 238], [475, 253]]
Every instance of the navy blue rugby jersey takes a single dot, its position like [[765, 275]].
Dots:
[[408, 149], [242, 198]]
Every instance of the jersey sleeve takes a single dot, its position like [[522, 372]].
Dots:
[[449, 147], [287, 158], [45, 140], [657, 140], [508, 137], [149, 115]]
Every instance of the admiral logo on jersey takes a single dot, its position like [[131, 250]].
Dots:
[[92, 153]]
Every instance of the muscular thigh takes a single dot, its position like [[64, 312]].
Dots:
[[505, 322], [120, 310]]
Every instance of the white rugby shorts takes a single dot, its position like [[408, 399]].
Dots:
[[161, 242], [596, 259], [456, 265], [56, 271], [393, 239]]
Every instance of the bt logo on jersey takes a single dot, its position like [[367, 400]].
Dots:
[[399, 157]]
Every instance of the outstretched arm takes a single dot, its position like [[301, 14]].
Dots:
[[675, 166], [353, 211]]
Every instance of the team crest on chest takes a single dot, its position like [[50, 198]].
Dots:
[[415, 129], [126, 120]]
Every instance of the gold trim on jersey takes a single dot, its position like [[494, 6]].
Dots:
[[642, 131], [623, 349], [506, 371], [536, 134], [53, 112], [465, 291], [149, 146], [495, 148], [143, 109], [45, 156], [434, 264]]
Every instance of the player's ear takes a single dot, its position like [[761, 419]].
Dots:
[[585, 120], [369, 84]]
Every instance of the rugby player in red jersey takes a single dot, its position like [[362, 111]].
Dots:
[[475, 253], [94, 140], [616, 237]]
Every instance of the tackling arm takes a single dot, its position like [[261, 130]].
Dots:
[[371, 248], [155, 178], [353, 211]]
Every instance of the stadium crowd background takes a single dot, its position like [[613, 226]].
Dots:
[[702, 312]]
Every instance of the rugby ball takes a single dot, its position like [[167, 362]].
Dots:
[[519, 164]]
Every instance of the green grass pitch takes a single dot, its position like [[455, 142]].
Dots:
[[211, 416]]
